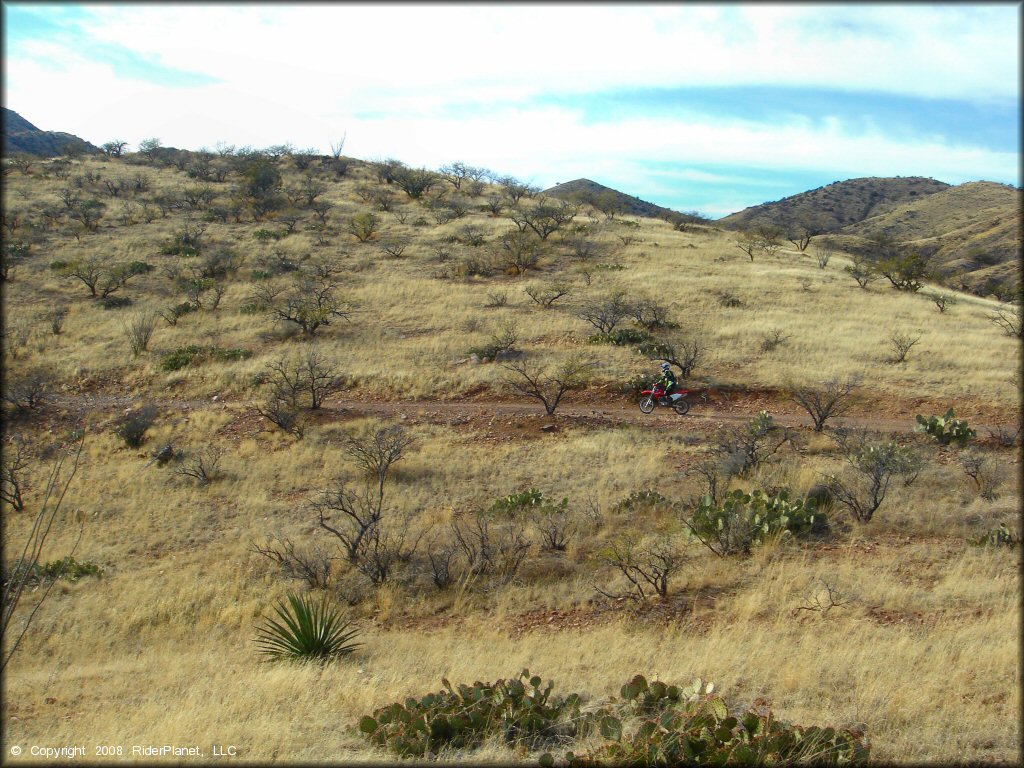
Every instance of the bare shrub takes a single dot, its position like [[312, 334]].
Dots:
[[139, 330], [902, 343], [204, 466], [133, 426], [361, 509], [13, 474], [28, 390], [311, 564], [647, 569], [830, 398], [489, 547], [20, 578], [547, 387]]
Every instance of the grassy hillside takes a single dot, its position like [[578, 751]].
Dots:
[[159, 648], [836, 205], [971, 229]]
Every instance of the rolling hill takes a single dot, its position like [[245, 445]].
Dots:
[[19, 135], [972, 231], [608, 200], [836, 205]]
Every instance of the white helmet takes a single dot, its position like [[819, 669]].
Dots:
[[665, 367]]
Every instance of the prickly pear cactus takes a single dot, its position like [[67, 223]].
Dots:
[[946, 429]]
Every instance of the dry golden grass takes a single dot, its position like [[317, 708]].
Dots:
[[159, 650]]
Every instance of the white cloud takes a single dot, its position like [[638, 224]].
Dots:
[[391, 76]]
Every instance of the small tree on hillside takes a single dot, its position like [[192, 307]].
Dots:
[[547, 386], [830, 398], [607, 312], [309, 301]]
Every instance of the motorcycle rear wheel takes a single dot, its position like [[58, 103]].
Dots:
[[647, 404], [681, 406]]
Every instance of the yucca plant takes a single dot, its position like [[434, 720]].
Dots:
[[310, 632]]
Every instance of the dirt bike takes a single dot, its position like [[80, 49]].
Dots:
[[677, 401]]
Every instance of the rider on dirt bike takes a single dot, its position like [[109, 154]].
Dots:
[[668, 379]]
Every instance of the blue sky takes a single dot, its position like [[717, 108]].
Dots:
[[708, 107]]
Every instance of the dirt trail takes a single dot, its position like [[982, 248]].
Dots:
[[597, 412]]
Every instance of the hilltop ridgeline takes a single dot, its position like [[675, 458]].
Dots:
[[19, 135]]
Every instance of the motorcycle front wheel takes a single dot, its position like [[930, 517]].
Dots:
[[681, 406], [647, 404]]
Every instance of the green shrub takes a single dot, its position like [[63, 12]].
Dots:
[[174, 248], [261, 274], [194, 354], [640, 500], [624, 337], [267, 234], [69, 569], [180, 357], [652, 724], [634, 386], [463, 716], [745, 519], [115, 302], [997, 537], [308, 631], [691, 725], [66, 568], [946, 429]]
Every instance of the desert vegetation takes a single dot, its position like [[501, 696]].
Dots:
[[379, 418]]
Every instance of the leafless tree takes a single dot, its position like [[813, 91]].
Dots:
[[647, 569], [684, 349], [361, 509], [13, 480], [548, 387], [491, 548], [607, 312], [649, 313], [825, 597], [22, 575], [99, 275], [556, 526], [863, 271], [873, 468], [28, 390], [942, 301], [285, 416], [303, 380], [513, 189], [1010, 319], [544, 218], [832, 398], [547, 294]]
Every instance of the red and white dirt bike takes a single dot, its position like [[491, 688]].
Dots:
[[677, 401]]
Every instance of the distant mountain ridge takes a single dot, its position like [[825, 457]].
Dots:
[[19, 135]]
